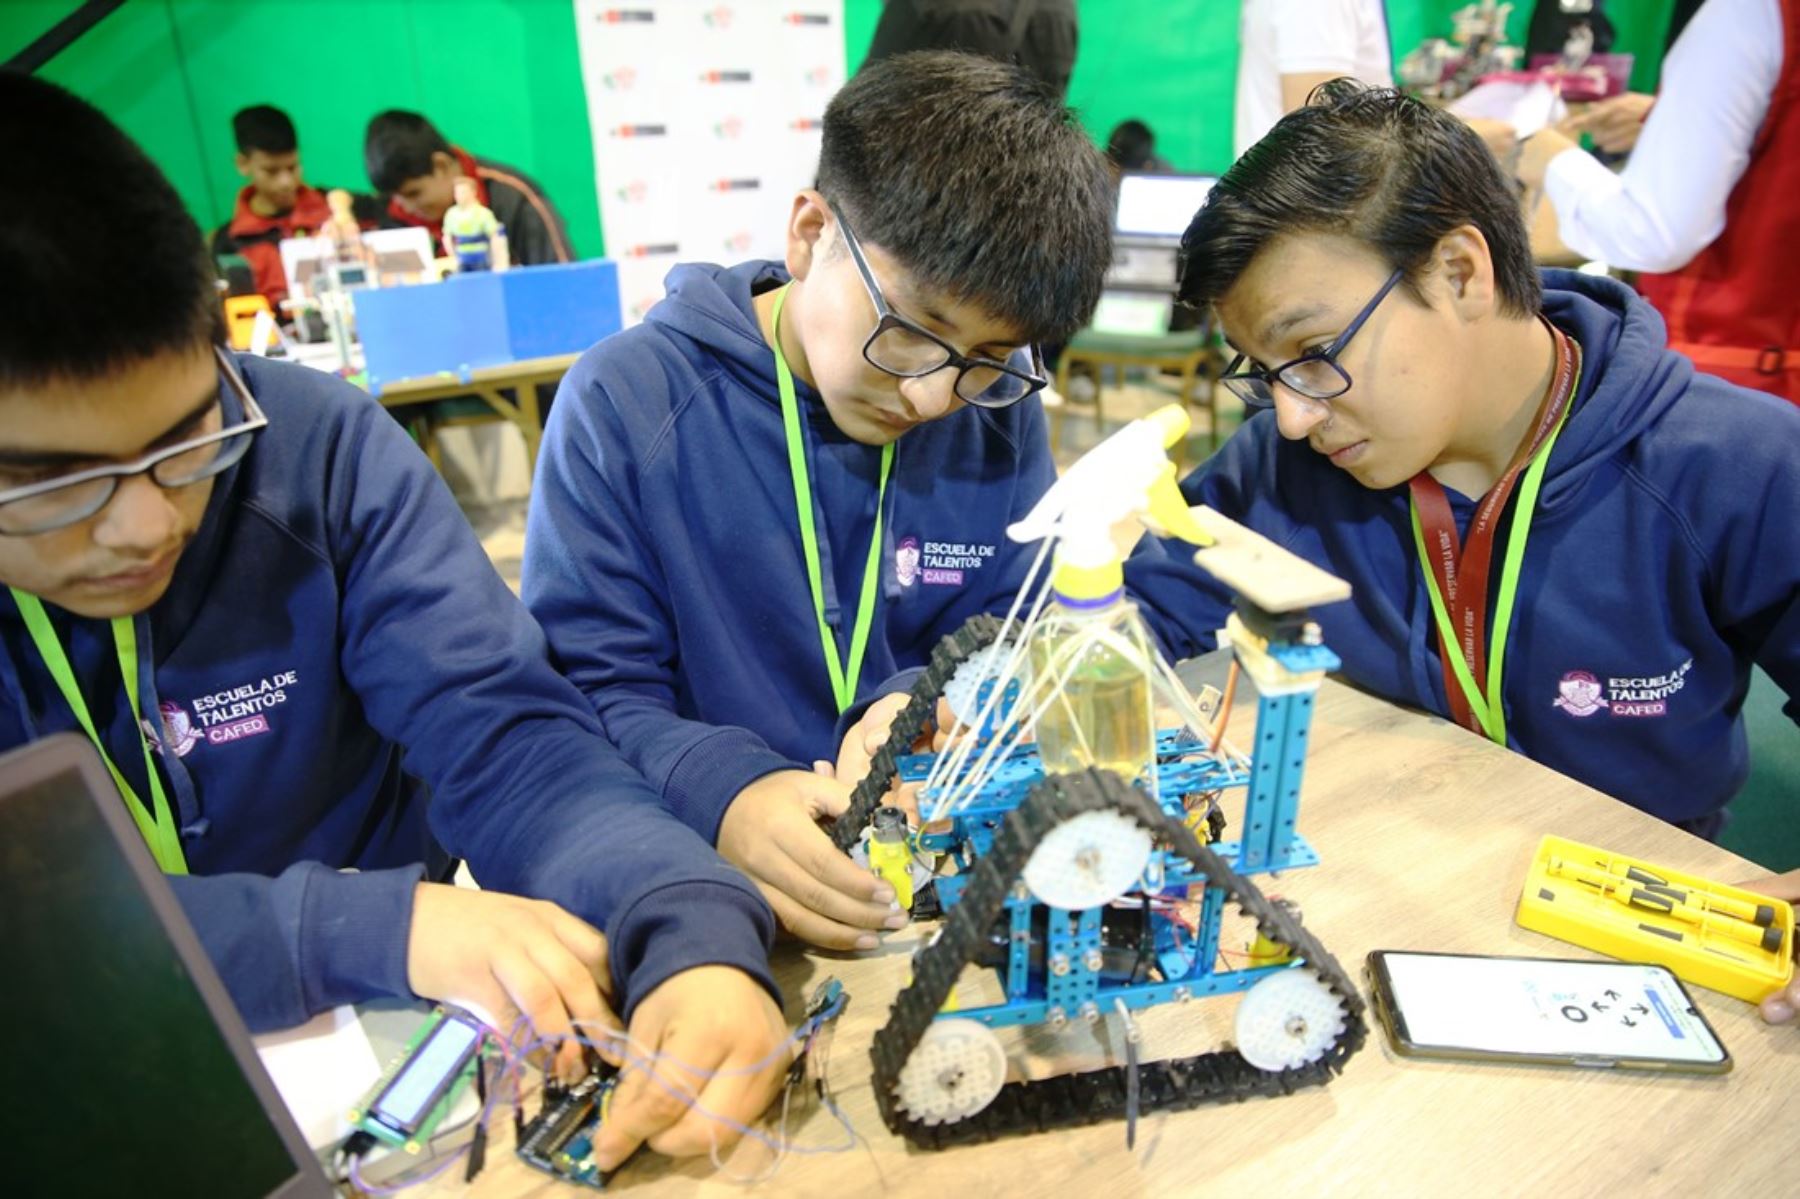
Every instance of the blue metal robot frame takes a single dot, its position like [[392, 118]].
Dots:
[[1067, 979]]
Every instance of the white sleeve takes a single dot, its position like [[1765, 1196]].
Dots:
[[1315, 36], [1669, 203]]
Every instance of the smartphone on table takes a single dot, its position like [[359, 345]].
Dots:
[[1542, 1010]]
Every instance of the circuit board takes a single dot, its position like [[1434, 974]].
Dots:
[[444, 1090], [559, 1140]]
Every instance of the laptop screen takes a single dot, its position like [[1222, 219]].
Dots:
[[125, 1081], [1159, 206]]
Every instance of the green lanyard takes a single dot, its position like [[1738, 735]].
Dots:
[[158, 827], [1489, 710], [843, 685]]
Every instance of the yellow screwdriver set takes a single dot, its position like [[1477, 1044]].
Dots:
[[1710, 934]]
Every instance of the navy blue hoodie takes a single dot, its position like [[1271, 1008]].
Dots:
[[1663, 560], [333, 648], [663, 554]]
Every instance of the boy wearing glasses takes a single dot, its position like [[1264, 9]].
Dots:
[[243, 584], [1559, 534], [763, 507]]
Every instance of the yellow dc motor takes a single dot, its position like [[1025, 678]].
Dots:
[[890, 857]]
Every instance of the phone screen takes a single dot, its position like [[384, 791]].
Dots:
[[1543, 1008], [421, 1083]]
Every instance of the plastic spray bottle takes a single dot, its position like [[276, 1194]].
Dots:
[[1090, 646]]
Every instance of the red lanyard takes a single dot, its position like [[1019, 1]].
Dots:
[[1461, 570]]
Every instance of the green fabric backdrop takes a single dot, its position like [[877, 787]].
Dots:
[[502, 77]]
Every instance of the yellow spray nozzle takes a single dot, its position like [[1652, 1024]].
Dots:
[[1172, 419], [1169, 508]]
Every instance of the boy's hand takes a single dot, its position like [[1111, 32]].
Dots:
[[714, 1023], [869, 734], [1780, 1008], [866, 737], [1501, 137], [771, 833], [1613, 124], [513, 956], [1534, 156]]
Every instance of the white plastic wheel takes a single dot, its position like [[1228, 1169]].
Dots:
[[957, 1069], [963, 691], [1090, 860], [1288, 1020]]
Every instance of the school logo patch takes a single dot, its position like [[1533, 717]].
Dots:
[[178, 731], [950, 563], [1582, 694], [906, 561], [224, 716]]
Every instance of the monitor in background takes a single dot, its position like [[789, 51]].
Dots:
[[129, 1071], [1159, 207]]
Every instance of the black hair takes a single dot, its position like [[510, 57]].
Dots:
[[1373, 165], [978, 180], [103, 266], [398, 146], [264, 127], [1131, 145]]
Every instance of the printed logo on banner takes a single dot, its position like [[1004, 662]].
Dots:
[[742, 119]]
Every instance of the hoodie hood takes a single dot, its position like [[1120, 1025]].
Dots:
[[710, 306], [1629, 378]]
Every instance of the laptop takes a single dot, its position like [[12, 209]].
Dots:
[[1157, 209], [1153, 212], [127, 1068]]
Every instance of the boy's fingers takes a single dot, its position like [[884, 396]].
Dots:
[[811, 927], [536, 996], [641, 1107]]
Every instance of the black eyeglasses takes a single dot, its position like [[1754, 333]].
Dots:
[[906, 351], [1315, 374], [70, 499]]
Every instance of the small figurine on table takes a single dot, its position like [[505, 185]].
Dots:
[[471, 234], [343, 231]]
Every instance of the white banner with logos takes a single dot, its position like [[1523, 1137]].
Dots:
[[706, 121]]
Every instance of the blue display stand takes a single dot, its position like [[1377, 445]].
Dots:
[[485, 319]]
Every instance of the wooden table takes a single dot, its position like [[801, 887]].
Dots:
[[1425, 832], [510, 390]]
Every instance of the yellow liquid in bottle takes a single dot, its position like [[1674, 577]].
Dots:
[[1102, 715]]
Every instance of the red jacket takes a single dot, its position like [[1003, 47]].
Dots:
[[258, 238], [534, 230], [1735, 309]]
